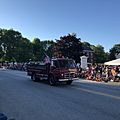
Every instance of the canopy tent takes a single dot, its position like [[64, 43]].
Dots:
[[113, 62]]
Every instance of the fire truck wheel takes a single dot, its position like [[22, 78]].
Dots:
[[52, 81], [33, 77], [69, 82]]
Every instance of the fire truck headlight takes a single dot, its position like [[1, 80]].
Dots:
[[62, 75]]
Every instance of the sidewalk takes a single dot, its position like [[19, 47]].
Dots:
[[106, 83], [3, 68], [114, 83]]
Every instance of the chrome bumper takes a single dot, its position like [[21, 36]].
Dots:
[[67, 79]]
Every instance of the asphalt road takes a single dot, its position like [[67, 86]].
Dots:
[[23, 99]]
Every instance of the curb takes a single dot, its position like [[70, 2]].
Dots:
[[106, 83]]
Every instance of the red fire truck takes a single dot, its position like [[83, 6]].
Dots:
[[59, 70]]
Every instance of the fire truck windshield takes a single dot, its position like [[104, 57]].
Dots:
[[64, 64]]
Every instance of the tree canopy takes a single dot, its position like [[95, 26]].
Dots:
[[114, 51], [14, 47], [100, 56], [9, 41], [40, 48], [69, 46]]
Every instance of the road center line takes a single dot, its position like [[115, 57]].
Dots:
[[98, 93]]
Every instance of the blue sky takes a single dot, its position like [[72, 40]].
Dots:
[[94, 21]]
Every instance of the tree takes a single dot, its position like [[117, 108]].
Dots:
[[1, 52], [48, 46], [25, 52], [69, 46], [99, 54], [13, 47], [114, 51], [86, 44], [38, 50], [10, 40], [1, 41]]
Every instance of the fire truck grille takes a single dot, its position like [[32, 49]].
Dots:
[[69, 75]]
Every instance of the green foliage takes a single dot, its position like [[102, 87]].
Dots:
[[41, 47], [114, 51], [37, 49], [99, 54], [10, 40], [48, 46], [24, 51], [69, 46], [14, 47], [86, 44]]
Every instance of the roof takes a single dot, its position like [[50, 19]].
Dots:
[[113, 62], [61, 59], [87, 48]]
